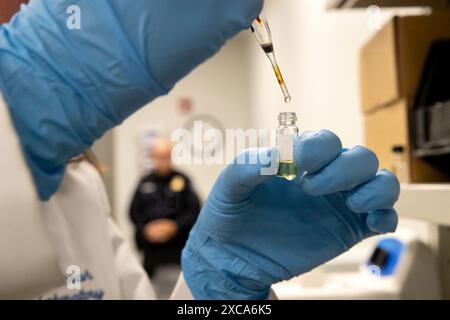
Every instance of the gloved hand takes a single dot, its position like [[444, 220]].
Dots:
[[256, 230], [65, 88]]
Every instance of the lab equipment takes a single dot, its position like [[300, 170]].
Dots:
[[66, 88], [287, 135], [263, 34], [387, 268], [257, 230], [431, 114], [385, 258]]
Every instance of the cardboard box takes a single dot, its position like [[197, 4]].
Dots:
[[391, 63], [388, 127]]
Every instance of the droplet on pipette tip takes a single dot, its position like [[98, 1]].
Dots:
[[287, 99], [286, 94]]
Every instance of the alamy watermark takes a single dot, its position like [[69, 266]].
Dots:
[[73, 21], [73, 277], [214, 147], [374, 18]]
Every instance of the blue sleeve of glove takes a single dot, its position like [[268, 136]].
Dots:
[[61, 95], [65, 88]]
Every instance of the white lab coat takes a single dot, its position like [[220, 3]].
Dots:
[[44, 246]]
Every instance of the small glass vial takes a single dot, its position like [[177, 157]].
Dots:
[[400, 164], [287, 136]]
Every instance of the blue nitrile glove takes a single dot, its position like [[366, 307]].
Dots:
[[66, 87], [257, 230]]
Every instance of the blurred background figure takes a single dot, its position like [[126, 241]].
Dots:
[[164, 209]]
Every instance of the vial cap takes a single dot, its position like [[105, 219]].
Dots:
[[287, 118]]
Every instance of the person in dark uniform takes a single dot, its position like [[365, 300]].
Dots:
[[164, 209]]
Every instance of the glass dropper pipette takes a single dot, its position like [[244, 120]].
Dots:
[[261, 29]]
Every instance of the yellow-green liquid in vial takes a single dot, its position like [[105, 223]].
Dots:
[[287, 170]]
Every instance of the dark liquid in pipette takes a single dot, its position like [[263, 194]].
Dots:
[[268, 48]]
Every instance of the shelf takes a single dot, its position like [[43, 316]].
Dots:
[[350, 4], [426, 202]]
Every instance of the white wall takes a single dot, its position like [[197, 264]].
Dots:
[[219, 88]]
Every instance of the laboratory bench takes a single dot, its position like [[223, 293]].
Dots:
[[426, 202], [346, 277], [431, 203]]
